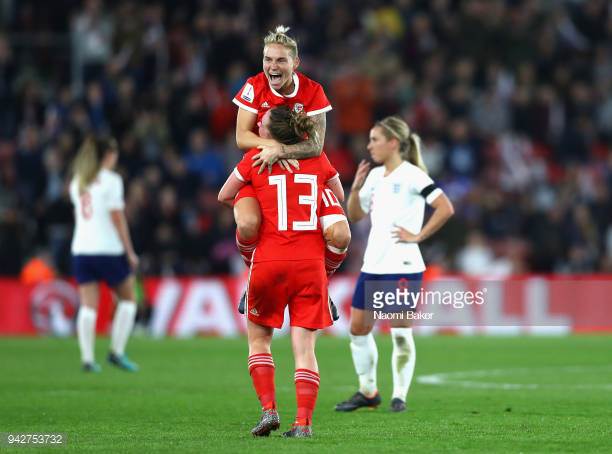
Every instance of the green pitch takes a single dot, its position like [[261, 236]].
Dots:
[[489, 395]]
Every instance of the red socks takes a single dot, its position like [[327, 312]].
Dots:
[[333, 259], [306, 391], [261, 368], [246, 248]]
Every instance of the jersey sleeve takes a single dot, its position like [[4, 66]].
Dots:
[[318, 103], [244, 168], [423, 184], [365, 194], [247, 96], [114, 199], [329, 171]]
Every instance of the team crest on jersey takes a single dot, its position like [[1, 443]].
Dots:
[[397, 187], [248, 93], [297, 108]]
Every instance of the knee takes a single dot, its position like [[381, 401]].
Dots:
[[402, 339], [248, 225], [360, 330], [259, 345], [341, 236]]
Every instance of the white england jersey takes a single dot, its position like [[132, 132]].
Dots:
[[94, 232], [396, 199]]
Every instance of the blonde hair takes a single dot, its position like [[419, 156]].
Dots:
[[88, 160], [410, 145], [279, 36]]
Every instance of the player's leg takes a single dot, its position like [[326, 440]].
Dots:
[[306, 380], [403, 360], [123, 322], [266, 310], [261, 370], [309, 311], [86, 325], [337, 236], [364, 353], [247, 215]]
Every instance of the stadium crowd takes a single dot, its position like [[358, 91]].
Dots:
[[513, 100]]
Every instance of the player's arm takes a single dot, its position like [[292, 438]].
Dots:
[[443, 210], [245, 137], [311, 147], [336, 187], [120, 223], [230, 188], [353, 207]]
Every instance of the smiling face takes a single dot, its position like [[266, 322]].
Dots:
[[278, 66], [381, 148]]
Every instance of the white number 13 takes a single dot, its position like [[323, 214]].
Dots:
[[280, 181]]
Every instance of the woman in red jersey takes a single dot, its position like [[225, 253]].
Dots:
[[278, 84], [288, 268]]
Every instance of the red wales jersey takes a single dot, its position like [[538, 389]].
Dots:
[[290, 207], [258, 97]]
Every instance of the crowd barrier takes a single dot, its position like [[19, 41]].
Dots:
[[191, 306]]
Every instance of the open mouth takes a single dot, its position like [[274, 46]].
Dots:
[[275, 77]]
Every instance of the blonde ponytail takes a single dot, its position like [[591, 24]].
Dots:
[[414, 155], [88, 160], [86, 164], [409, 143]]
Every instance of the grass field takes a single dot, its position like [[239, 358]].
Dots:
[[502, 394]]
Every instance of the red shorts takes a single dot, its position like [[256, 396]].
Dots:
[[299, 284], [246, 191]]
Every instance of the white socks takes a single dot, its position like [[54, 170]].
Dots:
[[122, 326], [403, 361], [86, 331], [365, 359]]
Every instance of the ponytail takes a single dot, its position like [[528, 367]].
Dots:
[[279, 36], [289, 127], [414, 155], [88, 160], [410, 145]]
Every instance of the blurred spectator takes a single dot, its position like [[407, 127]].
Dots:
[[513, 100], [92, 35]]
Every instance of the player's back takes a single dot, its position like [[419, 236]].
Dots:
[[94, 231], [289, 204]]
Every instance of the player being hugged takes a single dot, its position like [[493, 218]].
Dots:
[[394, 194], [288, 266], [279, 84], [102, 249]]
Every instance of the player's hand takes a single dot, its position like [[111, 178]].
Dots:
[[287, 163], [133, 260], [360, 176], [267, 157], [402, 235]]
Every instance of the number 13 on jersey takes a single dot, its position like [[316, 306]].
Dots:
[[310, 200]]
